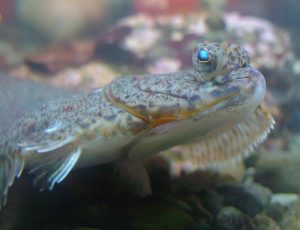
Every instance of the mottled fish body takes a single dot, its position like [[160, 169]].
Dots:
[[135, 117]]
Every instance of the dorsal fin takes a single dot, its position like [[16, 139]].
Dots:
[[229, 146]]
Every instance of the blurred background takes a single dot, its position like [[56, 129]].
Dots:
[[84, 44]]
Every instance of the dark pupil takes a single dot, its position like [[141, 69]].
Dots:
[[203, 55]]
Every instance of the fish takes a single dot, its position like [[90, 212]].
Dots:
[[218, 102]]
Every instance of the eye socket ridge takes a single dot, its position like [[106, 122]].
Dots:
[[203, 55]]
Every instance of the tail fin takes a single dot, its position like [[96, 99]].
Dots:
[[11, 166]]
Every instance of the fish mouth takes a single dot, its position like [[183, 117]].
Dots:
[[240, 90], [248, 90]]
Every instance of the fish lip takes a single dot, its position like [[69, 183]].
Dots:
[[226, 77]]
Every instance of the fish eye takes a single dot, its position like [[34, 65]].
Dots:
[[203, 55]]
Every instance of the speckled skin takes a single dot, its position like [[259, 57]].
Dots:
[[133, 117]]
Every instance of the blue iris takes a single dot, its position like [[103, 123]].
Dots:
[[203, 55]]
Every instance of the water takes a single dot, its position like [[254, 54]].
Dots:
[[77, 46]]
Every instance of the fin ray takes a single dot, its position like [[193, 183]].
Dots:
[[11, 166], [47, 147], [52, 167], [134, 176], [230, 145]]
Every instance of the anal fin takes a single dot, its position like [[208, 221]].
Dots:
[[52, 167], [227, 147], [134, 176]]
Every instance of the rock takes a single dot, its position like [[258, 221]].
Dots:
[[263, 222], [250, 198], [285, 210], [56, 227], [196, 208], [291, 218], [61, 19], [158, 7], [145, 39], [211, 200], [231, 218], [85, 78], [201, 224], [284, 199], [159, 217], [6, 11], [199, 180], [58, 57], [279, 172], [276, 212], [86, 228]]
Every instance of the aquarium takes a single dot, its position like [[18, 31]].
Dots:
[[134, 114]]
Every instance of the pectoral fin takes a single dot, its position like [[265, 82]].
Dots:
[[53, 150], [134, 176], [52, 167], [11, 166]]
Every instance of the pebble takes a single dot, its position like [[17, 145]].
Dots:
[[263, 222], [249, 198], [230, 217], [279, 172]]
